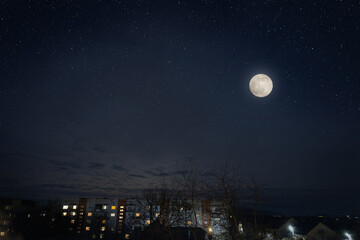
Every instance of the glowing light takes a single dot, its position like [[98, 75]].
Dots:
[[348, 236], [291, 228]]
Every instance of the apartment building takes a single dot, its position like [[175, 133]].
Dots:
[[101, 218], [11, 209]]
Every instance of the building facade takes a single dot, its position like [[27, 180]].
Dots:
[[103, 218]]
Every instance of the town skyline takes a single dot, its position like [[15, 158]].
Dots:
[[106, 98]]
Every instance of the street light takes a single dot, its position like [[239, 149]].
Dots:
[[210, 231], [348, 236], [291, 229]]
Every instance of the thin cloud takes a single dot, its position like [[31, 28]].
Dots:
[[95, 165]]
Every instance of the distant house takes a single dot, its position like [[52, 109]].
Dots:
[[322, 232], [284, 231], [278, 227], [307, 228]]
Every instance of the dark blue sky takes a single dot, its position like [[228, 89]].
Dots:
[[100, 98]]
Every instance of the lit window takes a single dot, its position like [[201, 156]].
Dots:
[[74, 207], [89, 214], [81, 213], [112, 214], [66, 207], [189, 222], [121, 210], [127, 236], [102, 229], [87, 228], [103, 221], [157, 214], [121, 217], [148, 207], [72, 220], [121, 213], [104, 207], [121, 206], [147, 222], [113, 207], [137, 214], [2, 233], [73, 213], [64, 213], [101, 236]]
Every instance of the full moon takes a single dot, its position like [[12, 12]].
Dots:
[[261, 85]]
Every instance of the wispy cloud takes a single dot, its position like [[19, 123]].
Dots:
[[137, 176], [95, 165]]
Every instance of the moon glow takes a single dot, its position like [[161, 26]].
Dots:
[[261, 85]]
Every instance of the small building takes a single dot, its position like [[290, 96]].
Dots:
[[322, 232]]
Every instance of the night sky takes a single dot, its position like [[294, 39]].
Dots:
[[103, 98]]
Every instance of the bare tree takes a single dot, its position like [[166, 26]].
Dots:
[[190, 184], [255, 199], [225, 185], [151, 203]]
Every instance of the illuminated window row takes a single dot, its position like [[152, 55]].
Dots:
[[65, 207], [71, 213], [102, 229]]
